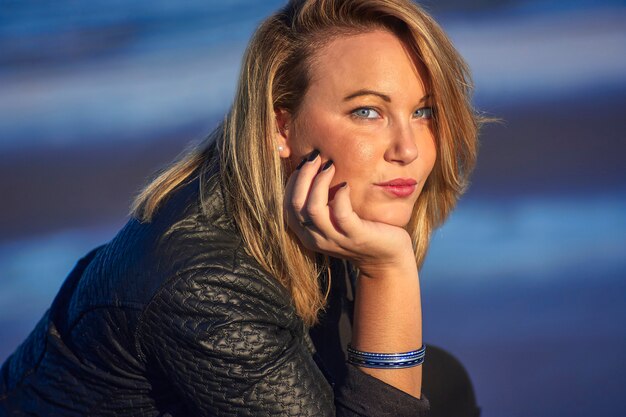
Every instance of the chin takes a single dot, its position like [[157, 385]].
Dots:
[[391, 217]]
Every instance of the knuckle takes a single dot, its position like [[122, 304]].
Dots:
[[358, 242], [314, 211], [319, 242], [296, 205], [342, 217]]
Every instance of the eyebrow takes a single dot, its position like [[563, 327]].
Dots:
[[365, 92]]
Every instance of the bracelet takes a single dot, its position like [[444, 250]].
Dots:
[[386, 360]]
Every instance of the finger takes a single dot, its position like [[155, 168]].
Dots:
[[342, 215], [303, 179], [317, 201], [297, 189]]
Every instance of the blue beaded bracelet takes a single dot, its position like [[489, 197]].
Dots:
[[386, 360]]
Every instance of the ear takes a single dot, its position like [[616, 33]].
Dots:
[[282, 135]]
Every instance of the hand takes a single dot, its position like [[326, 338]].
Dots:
[[333, 228]]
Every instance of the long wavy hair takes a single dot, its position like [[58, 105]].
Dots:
[[275, 74]]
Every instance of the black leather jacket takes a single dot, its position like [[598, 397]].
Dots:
[[173, 318]]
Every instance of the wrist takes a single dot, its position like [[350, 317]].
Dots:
[[392, 268], [400, 258]]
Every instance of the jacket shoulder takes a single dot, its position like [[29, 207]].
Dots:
[[144, 256]]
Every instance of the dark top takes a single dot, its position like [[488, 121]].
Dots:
[[445, 381], [174, 318]]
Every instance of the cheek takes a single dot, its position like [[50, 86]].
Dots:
[[430, 153], [356, 160], [364, 150], [313, 132], [354, 157], [337, 140]]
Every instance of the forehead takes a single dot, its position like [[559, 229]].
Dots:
[[376, 60]]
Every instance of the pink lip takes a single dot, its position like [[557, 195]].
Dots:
[[399, 187]]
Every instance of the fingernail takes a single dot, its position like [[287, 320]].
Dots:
[[313, 155], [301, 163], [327, 164]]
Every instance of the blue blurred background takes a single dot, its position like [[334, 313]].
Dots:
[[525, 283]]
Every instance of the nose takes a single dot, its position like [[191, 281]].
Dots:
[[402, 148]]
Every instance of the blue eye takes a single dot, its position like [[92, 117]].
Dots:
[[424, 113], [366, 113]]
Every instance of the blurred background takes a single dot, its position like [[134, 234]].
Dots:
[[526, 283]]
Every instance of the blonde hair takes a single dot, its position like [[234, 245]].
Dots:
[[275, 74]]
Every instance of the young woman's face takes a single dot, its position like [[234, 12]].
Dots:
[[367, 108]]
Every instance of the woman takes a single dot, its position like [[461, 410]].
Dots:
[[350, 139]]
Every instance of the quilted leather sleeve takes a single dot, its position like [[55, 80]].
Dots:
[[229, 345]]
